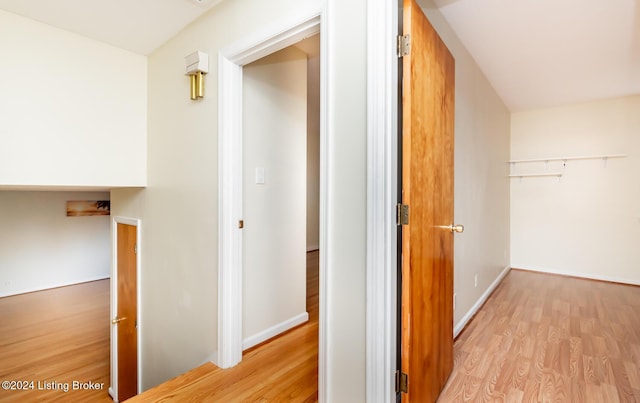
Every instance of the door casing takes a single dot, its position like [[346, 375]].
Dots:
[[382, 160], [382, 196], [230, 66], [113, 387]]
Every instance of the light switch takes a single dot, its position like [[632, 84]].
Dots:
[[259, 176]]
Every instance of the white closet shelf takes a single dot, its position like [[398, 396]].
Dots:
[[556, 174], [584, 157]]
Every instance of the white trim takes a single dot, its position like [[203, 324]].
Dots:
[[113, 387], [212, 358], [277, 36], [274, 330], [325, 193], [483, 298], [382, 162], [112, 393], [58, 285], [229, 213], [230, 62], [586, 276]]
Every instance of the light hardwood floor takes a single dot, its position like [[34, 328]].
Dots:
[[539, 338], [546, 338], [62, 335], [284, 369], [53, 338]]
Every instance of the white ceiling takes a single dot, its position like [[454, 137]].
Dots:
[[536, 53], [542, 53], [139, 26]]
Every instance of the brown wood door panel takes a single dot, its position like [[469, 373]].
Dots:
[[127, 312], [427, 187]]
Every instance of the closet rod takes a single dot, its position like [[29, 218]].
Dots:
[[586, 157], [558, 174]]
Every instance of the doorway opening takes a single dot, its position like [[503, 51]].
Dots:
[[230, 203], [280, 161]]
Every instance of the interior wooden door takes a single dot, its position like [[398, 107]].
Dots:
[[427, 188], [126, 318]]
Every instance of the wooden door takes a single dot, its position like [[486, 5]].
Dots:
[[126, 318], [427, 188]]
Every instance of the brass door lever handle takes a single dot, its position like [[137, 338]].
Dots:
[[457, 228], [453, 228], [116, 320]]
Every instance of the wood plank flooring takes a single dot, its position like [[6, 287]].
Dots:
[[284, 369], [539, 338], [546, 338], [53, 338]]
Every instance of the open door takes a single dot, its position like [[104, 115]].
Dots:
[[126, 315], [427, 189]]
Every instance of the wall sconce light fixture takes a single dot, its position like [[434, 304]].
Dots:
[[197, 67]]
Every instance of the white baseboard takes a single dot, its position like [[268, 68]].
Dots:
[[483, 298], [213, 358], [51, 286], [274, 330], [581, 275], [112, 394]]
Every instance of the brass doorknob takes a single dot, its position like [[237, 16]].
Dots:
[[457, 228], [116, 320]]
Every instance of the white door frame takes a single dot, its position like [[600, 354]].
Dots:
[[382, 163], [382, 185], [230, 67], [113, 387]]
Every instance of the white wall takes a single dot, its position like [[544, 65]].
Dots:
[[481, 178], [274, 212], [587, 223], [179, 208], [40, 247], [73, 109], [313, 152]]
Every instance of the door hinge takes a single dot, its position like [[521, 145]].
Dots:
[[404, 45], [135, 248], [402, 382], [402, 214]]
